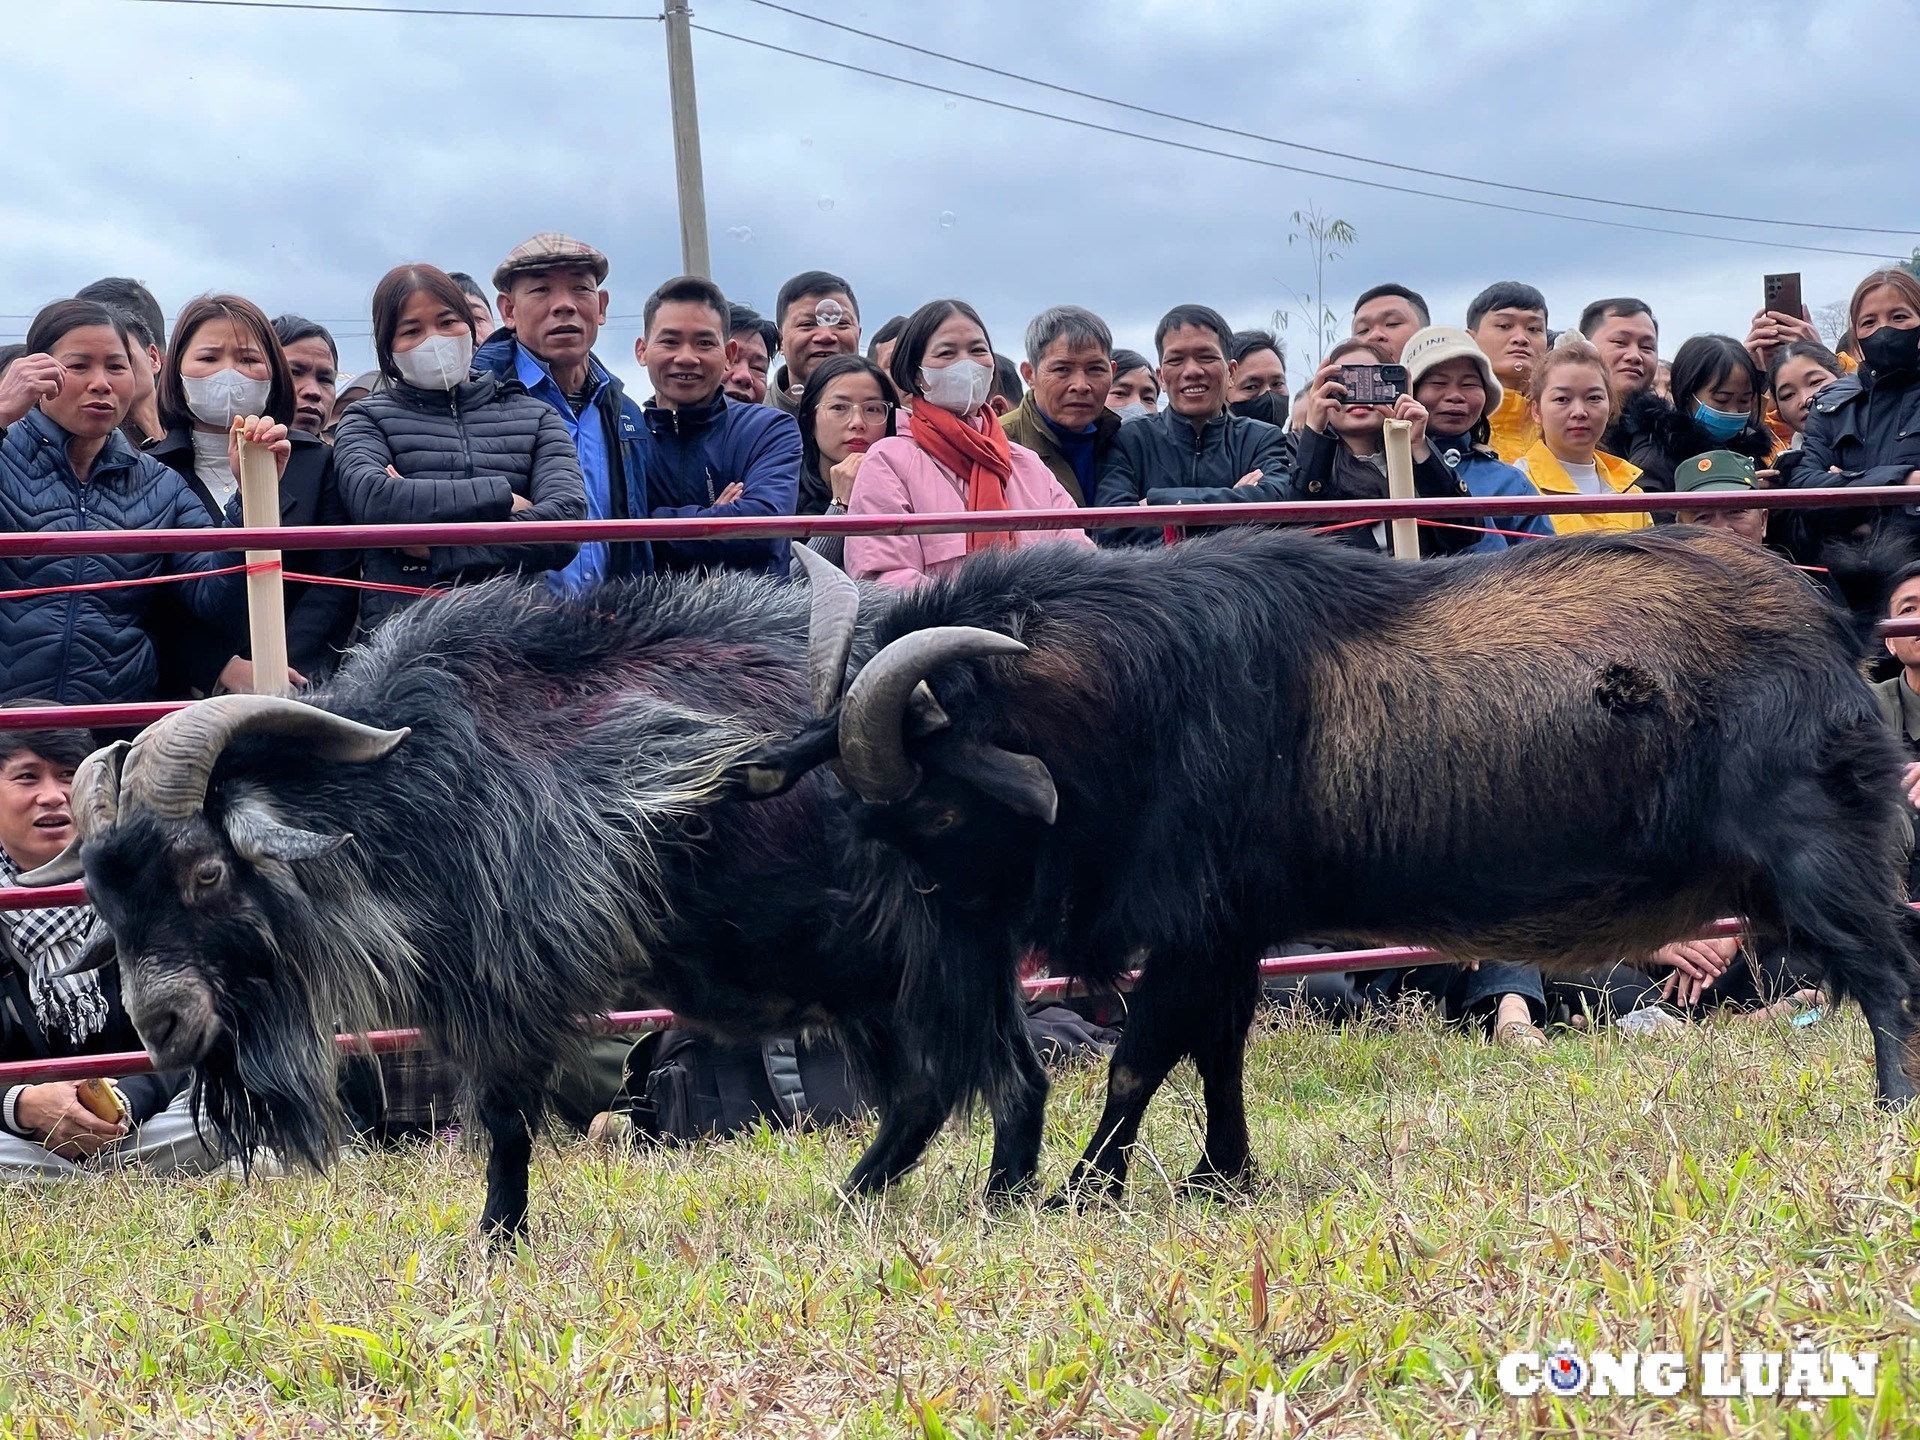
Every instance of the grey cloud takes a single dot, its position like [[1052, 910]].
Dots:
[[296, 157]]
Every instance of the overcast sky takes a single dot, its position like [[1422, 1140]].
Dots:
[[295, 156]]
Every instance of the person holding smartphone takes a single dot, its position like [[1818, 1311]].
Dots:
[[1341, 454], [1864, 429]]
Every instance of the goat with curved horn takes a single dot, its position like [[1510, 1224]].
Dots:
[[835, 602], [873, 755], [168, 767], [95, 804]]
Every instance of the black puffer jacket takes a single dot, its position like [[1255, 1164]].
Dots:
[[319, 617], [1652, 434], [94, 648], [1324, 469], [1868, 427], [462, 455], [1164, 459]]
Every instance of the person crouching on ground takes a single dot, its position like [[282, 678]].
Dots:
[[46, 1132]]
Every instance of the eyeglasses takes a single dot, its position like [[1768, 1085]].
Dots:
[[842, 410]]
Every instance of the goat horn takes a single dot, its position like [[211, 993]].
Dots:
[[873, 756], [168, 768], [95, 805], [836, 608]]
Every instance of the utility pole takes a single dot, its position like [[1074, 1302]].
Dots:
[[686, 142]]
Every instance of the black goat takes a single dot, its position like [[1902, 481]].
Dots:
[[1570, 753], [558, 833]]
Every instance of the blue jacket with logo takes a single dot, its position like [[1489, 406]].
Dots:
[[699, 450]]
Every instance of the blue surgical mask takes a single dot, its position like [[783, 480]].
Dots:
[[1720, 424]]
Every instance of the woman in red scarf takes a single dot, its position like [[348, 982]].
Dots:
[[956, 458]]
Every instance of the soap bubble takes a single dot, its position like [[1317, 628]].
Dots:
[[806, 142], [826, 202], [953, 104], [829, 312], [740, 233], [948, 219]]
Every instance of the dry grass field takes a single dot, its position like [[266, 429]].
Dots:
[[1426, 1204]]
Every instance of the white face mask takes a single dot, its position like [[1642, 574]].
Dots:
[[961, 387], [224, 396], [438, 362], [1136, 411]]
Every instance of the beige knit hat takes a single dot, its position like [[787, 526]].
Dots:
[[1438, 344]]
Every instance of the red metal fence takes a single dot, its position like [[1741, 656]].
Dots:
[[1323, 514]]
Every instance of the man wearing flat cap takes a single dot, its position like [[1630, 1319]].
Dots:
[[551, 310]]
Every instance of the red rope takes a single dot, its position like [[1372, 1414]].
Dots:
[[259, 567]]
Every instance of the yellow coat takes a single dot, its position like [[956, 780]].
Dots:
[[1550, 477], [1512, 426]]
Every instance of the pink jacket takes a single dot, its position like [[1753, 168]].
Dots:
[[899, 478]]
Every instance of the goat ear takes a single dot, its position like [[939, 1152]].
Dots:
[[257, 836], [777, 768], [1022, 783], [97, 955]]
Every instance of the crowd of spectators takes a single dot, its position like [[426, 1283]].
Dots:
[[492, 405]]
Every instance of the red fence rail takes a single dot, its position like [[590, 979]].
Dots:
[[1323, 513], [1290, 512], [134, 1062]]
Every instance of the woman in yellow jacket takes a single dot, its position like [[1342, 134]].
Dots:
[[1572, 402]]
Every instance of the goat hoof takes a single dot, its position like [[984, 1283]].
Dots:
[[1208, 1183], [1005, 1194]]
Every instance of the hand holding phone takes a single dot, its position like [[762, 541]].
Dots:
[[1373, 384]]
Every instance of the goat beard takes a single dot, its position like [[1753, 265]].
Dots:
[[279, 1090]]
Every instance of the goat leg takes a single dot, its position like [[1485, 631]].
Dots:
[[509, 1157], [1019, 1120]]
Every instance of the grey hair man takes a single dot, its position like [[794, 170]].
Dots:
[[1063, 418]]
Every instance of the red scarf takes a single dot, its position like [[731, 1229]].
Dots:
[[981, 458]]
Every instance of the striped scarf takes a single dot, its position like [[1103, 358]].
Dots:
[[45, 941]]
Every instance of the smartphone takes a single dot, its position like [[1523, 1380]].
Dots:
[[1373, 384], [1783, 295]]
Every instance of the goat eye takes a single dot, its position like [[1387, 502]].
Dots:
[[210, 873]]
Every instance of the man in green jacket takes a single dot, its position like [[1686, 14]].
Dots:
[[1063, 418]]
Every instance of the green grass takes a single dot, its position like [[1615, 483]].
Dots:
[[1426, 1205]]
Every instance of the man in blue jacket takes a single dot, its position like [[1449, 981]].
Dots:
[[708, 456], [551, 311]]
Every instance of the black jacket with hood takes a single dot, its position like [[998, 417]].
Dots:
[[1654, 435]]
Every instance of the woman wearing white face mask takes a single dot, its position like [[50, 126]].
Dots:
[[441, 444], [956, 460], [226, 364]]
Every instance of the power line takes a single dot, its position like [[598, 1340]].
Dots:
[[1190, 148], [315, 5], [1314, 149], [1282, 165]]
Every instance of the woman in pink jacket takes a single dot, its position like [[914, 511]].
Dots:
[[956, 460]]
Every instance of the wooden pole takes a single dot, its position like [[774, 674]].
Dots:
[[1398, 441], [686, 141], [266, 601]]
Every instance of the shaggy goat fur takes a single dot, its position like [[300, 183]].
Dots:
[[557, 836], [1569, 753]]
